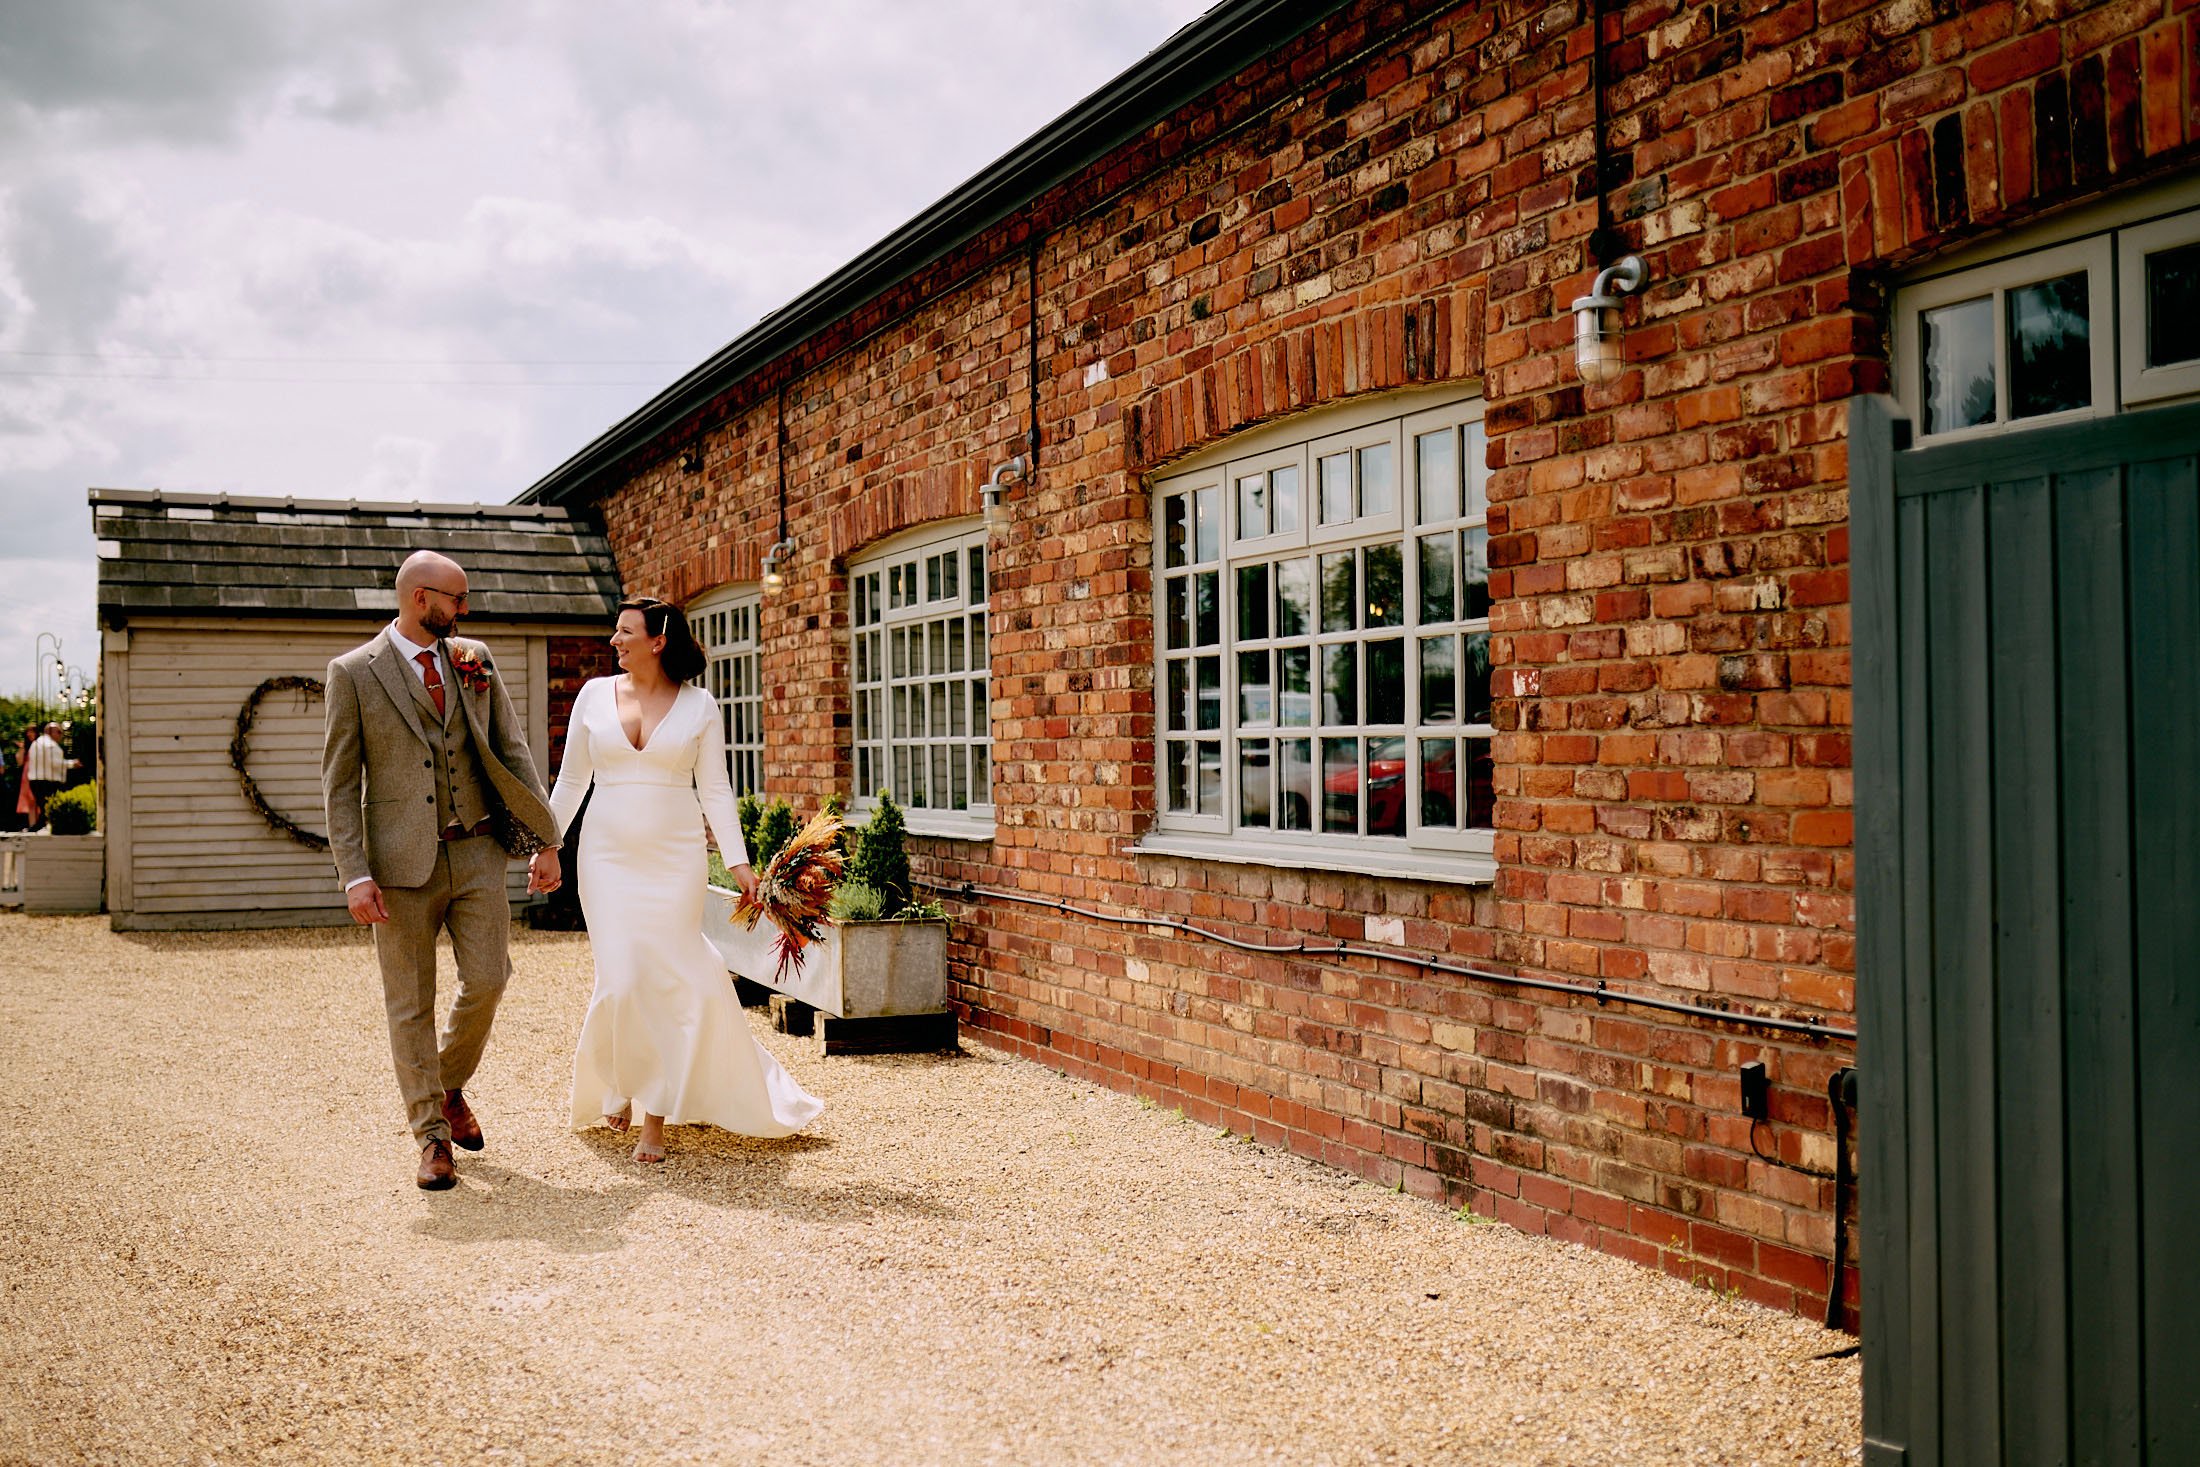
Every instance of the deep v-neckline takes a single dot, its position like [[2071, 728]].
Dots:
[[650, 737]]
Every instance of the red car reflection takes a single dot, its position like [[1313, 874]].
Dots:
[[1386, 790]]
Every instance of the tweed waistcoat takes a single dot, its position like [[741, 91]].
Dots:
[[461, 785]]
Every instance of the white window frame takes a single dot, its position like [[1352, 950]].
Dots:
[[2110, 240], [2142, 383], [878, 620], [1395, 423], [726, 626], [1994, 282]]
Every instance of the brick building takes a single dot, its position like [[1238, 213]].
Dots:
[[1339, 612]]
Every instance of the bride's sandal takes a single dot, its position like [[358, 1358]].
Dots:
[[621, 1120], [644, 1152]]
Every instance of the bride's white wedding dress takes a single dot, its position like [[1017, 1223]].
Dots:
[[664, 1031]]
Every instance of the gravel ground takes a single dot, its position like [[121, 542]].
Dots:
[[215, 1253]]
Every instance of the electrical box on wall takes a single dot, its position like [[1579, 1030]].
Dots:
[[1756, 1091]]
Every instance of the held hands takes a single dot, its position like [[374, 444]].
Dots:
[[544, 874], [367, 906]]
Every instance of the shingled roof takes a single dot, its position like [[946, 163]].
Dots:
[[164, 554]]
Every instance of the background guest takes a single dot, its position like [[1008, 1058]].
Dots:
[[11, 785], [47, 765]]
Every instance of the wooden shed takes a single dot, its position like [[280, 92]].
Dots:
[[219, 615]]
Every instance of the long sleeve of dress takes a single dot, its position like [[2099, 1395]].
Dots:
[[715, 789], [578, 767]]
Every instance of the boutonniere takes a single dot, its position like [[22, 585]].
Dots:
[[470, 668]]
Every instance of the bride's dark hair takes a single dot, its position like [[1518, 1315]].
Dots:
[[682, 659]]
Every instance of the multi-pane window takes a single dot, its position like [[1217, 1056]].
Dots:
[[1324, 641], [724, 624], [2054, 330], [920, 678]]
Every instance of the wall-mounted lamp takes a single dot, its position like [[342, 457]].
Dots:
[[1597, 329], [776, 555], [1015, 471], [691, 459]]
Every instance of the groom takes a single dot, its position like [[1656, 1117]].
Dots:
[[427, 783]]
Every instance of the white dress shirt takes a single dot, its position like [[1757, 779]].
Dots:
[[47, 762]]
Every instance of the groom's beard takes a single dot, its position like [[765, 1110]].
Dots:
[[442, 623]]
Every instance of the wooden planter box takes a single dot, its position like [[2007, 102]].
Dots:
[[61, 873], [877, 986]]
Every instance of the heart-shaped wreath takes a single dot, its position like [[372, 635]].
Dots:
[[240, 747]]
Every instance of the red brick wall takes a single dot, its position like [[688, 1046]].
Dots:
[[573, 661], [1402, 198]]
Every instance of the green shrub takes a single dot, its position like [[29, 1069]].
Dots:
[[855, 902], [74, 811], [766, 825], [750, 809], [837, 807], [880, 859], [924, 911], [719, 875]]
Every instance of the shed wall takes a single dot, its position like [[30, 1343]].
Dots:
[[185, 847]]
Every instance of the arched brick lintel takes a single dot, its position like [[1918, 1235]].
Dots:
[[1375, 348], [944, 493]]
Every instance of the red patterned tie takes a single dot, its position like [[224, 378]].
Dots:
[[434, 679]]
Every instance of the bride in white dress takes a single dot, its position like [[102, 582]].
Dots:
[[665, 1037]]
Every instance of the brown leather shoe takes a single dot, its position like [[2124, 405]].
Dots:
[[436, 1172], [465, 1130]]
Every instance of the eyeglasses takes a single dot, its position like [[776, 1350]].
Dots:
[[458, 596]]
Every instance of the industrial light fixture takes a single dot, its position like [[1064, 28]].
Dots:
[[1597, 329], [691, 459], [1015, 471], [777, 554]]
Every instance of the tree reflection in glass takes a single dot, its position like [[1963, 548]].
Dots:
[[1476, 675], [1959, 365], [2173, 306], [2050, 347]]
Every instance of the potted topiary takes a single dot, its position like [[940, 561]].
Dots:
[[889, 966], [765, 827], [64, 869], [877, 975]]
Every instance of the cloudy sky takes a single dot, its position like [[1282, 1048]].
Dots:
[[382, 249]]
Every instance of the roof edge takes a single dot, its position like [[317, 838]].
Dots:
[[163, 498], [1198, 57]]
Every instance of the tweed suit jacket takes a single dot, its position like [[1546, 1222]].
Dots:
[[377, 780]]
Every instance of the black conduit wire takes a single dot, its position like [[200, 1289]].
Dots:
[[1841, 1090], [1811, 1028], [1605, 243], [1031, 278], [779, 454]]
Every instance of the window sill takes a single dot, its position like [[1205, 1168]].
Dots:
[[1461, 870], [928, 824]]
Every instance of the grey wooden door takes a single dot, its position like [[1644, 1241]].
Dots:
[[2027, 636]]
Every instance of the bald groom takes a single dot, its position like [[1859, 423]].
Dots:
[[431, 792]]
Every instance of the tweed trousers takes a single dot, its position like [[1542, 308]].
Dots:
[[464, 894]]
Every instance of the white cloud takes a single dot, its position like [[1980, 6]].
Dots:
[[380, 249]]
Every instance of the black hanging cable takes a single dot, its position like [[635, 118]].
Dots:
[[1605, 244], [1031, 276], [780, 453], [1841, 1090]]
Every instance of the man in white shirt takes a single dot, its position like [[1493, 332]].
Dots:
[[48, 769]]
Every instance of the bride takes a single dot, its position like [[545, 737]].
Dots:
[[664, 1036]]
